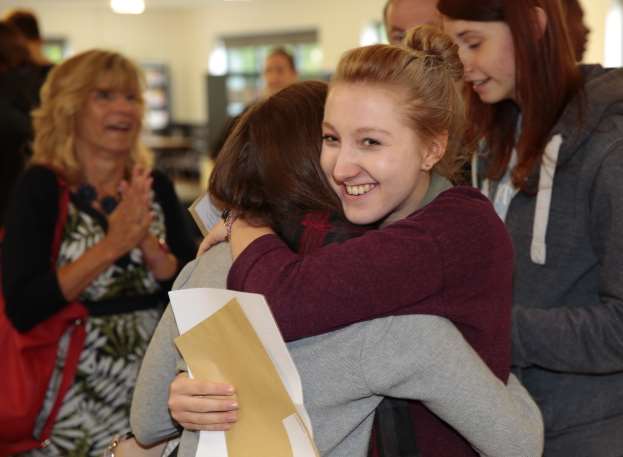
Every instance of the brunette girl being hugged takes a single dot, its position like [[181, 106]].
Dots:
[[122, 242], [392, 131], [551, 161]]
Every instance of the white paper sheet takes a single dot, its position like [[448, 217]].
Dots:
[[191, 306]]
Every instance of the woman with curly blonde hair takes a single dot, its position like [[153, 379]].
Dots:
[[122, 241], [65, 95]]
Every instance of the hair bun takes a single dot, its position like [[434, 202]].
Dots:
[[436, 48]]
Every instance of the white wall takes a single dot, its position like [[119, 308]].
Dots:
[[595, 12], [184, 37]]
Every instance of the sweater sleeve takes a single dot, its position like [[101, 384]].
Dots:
[[178, 236], [445, 373], [149, 414], [149, 417], [592, 334], [325, 289], [30, 284], [421, 264]]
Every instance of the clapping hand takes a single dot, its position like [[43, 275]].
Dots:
[[128, 224]]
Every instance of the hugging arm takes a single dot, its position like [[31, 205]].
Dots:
[[440, 369], [407, 267], [339, 284], [149, 416], [445, 373]]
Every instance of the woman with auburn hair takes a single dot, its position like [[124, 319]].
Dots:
[[122, 242], [392, 131], [551, 161]]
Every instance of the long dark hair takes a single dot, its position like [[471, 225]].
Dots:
[[269, 167], [547, 77]]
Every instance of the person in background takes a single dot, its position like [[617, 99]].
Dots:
[[578, 30], [279, 71], [26, 22], [18, 86], [123, 242], [551, 133], [402, 15], [282, 183]]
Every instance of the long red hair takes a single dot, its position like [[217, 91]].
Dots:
[[547, 77]]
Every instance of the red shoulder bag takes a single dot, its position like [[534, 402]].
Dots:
[[28, 361]]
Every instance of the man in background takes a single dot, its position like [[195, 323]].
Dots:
[[279, 71], [578, 30], [26, 22], [19, 86], [401, 15]]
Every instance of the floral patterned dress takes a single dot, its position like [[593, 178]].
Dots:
[[97, 406]]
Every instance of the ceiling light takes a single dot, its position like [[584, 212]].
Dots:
[[127, 6]]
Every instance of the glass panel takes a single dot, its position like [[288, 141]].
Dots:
[[250, 59], [236, 83], [54, 50], [309, 58], [241, 60]]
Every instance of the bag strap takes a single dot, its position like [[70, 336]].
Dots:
[[63, 210], [78, 331]]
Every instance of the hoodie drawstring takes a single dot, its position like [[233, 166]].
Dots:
[[538, 248]]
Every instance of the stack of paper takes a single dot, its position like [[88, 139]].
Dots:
[[232, 337]]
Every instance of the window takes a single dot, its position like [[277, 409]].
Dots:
[[245, 57], [246, 54], [373, 33], [55, 49], [613, 52], [236, 65]]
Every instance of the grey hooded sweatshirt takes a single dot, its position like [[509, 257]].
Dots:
[[568, 282]]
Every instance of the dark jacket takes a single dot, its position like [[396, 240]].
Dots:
[[568, 282], [19, 89]]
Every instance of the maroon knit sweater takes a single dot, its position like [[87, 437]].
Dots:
[[452, 258]]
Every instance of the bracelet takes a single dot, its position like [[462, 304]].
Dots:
[[112, 447]]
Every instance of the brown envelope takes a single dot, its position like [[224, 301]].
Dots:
[[225, 348]]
